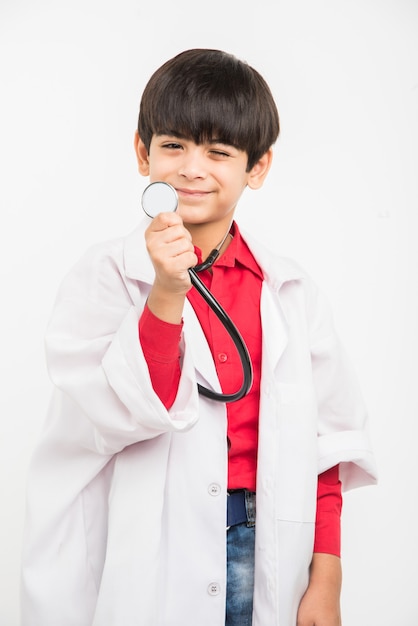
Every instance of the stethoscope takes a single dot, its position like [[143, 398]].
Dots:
[[160, 194]]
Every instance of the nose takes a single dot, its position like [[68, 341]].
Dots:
[[193, 164]]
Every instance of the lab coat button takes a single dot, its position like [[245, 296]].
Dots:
[[214, 489], [222, 357], [214, 589]]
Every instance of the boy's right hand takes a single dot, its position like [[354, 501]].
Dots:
[[171, 250]]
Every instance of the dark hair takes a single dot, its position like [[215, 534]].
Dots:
[[205, 94]]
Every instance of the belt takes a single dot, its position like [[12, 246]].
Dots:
[[238, 504]]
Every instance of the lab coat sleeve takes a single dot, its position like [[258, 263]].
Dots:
[[343, 427], [94, 356]]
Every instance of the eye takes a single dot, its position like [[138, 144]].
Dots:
[[172, 145], [220, 153]]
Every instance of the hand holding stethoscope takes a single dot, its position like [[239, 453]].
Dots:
[[158, 195]]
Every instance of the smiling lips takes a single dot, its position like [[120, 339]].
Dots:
[[192, 193]]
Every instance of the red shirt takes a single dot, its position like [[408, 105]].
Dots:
[[235, 280]]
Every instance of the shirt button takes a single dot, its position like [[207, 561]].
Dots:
[[222, 357], [214, 489], [214, 589]]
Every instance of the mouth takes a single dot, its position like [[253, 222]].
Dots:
[[192, 193]]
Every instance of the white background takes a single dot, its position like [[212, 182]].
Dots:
[[341, 199]]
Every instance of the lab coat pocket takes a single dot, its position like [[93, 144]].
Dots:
[[295, 546]]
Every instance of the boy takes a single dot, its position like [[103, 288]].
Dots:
[[149, 504]]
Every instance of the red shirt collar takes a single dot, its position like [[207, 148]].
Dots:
[[237, 253]]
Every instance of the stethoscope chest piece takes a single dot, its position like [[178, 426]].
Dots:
[[159, 197]]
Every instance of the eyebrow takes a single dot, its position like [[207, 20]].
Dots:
[[216, 140], [171, 133]]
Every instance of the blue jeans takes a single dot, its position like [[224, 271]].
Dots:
[[240, 570]]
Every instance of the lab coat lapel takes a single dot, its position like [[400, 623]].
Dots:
[[277, 271], [274, 325], [195, 341]]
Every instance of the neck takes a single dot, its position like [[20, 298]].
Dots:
[[209, 239]]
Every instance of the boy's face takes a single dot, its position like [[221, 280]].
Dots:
[[209, 178]]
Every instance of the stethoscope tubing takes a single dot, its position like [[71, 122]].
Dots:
[[164, 194], [236, 338]]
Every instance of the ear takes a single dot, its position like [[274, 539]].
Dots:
[[258, 173], [141, 155]]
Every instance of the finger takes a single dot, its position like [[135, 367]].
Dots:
[[165, 220]]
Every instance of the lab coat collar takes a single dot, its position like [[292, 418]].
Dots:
[[137, 263], [277, 270]]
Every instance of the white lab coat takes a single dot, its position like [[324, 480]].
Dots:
[[126, 500]]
